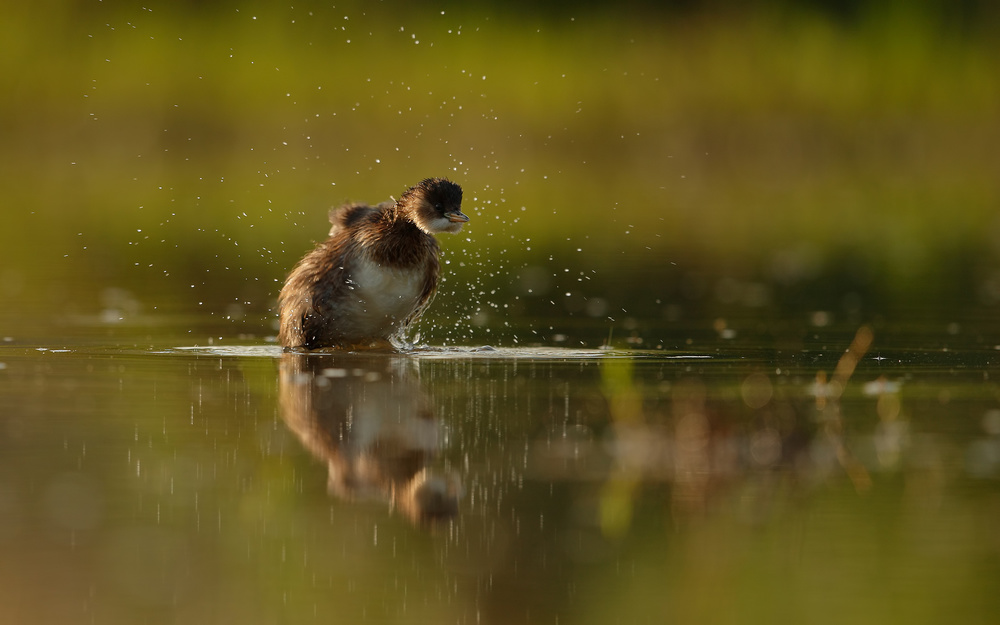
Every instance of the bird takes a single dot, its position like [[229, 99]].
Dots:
[[375, 274]]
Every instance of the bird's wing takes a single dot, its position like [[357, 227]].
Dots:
[[321, 276], [426, 293]]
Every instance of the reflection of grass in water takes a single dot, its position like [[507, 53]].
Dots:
[[799, 520], [732, 144]]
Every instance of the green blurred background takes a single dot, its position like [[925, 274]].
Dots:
[[627, 165]]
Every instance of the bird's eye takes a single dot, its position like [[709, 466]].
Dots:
[[438, 206]]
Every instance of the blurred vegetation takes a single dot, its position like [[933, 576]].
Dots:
[[654, 163]]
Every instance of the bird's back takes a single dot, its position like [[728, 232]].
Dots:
[[349, 215]]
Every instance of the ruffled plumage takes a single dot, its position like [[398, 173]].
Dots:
[[374, 275]]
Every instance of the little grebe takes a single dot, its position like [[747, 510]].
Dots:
[[375, 274]]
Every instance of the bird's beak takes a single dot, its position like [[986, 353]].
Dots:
[[457, 217]]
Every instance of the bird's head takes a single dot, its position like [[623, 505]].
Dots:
[[435, 205]]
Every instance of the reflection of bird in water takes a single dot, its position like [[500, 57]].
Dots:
[[375, 274], [369, 420]]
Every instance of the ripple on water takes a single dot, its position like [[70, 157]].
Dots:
[[427, 352]]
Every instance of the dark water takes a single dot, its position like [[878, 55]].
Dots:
[[843, 479]]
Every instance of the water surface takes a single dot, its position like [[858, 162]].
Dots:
[[232, 482]]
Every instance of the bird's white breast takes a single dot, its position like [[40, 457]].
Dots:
[[383, 296]]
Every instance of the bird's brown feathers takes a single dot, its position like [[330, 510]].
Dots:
[[323, 305]]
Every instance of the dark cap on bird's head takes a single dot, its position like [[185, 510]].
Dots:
[[435, 205]]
